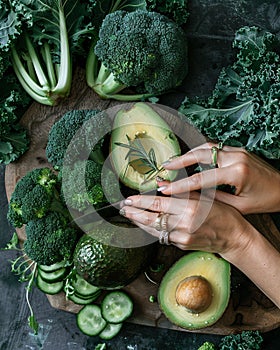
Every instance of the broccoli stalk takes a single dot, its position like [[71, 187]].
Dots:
[[142, 50]]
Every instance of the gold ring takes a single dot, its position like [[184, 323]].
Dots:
[[160, 223], [214, 151], [164, 237], [157, 223]]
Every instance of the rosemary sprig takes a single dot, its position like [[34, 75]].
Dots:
[[147, 159], [26, 269]]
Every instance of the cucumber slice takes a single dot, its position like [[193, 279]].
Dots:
[[116, 307], [83, 288], [110, 331], [53, 267], [82, 301], [52, 276], [90, 320], [49, 288]]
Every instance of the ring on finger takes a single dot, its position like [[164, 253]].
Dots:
[[160, 223], [214, 151], [157, 223], [164, 237]]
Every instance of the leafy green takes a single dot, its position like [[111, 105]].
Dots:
[[177, 10], [246, 340], [41, 38], [243, 109]]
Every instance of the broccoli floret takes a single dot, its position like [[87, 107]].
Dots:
[[78, 134], [33, 196], [207, 346], [140, 49], [87, 183], [50, 239], [247, 340]]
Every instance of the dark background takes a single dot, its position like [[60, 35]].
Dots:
[[210, 31]]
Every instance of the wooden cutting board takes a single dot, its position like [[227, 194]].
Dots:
[[248, 308]]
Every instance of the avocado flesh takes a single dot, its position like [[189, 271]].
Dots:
[[141, 123], [101, 259], [215, 270]]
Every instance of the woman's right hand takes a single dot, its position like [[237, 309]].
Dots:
[[257, 184]]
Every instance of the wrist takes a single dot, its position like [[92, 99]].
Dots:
[[242, 237]]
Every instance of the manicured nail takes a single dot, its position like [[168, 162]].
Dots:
[[166, 162], [122, 211], [127, 201], [161, 188], [159, 179]]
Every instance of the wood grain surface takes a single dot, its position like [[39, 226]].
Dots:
[[248, 308]]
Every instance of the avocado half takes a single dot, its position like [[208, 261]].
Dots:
[[110, 256], [142, 127], [195, 291]]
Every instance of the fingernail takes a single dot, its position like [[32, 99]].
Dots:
[[166, 162], [122, 211], [128, 202], [161, 188], [159, 179]]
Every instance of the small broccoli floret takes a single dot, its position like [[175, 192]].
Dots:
[[33, 196], [50, 239], [79, 182], [86, 129], [87, 183], [207, 346], [140, 49]]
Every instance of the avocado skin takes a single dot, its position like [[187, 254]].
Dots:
[[109, 266]]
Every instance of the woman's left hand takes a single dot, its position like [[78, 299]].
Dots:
[[192, 223]]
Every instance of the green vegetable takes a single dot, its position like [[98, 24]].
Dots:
[[40, 39], [177, 10], [26, 269], [247, 340], [243, 109], [50, 239], [87, 183], [34, 195], [78, 135], [14, 140], [207, 346], [142, 50]]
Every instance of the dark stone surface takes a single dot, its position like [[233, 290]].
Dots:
[[210, 32]]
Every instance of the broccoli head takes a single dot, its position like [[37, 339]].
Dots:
[[77, 134], [50, 239], [207, 346], [87, 183], [33, 196], [141, 49]]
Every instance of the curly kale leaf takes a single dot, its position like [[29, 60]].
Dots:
[[244, 107]]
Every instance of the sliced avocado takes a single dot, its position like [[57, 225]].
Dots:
[[141, 128], [195, 291], [110, 256]]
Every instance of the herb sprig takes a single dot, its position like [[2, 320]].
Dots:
[[147, 159]]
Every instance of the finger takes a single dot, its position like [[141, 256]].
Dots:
[[203, 155], [155, 233], [157, 203], [205, 179]]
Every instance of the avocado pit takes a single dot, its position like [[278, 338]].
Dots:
[[194, 293]]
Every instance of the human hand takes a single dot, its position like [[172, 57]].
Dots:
[[257, 184], [192, 223]]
